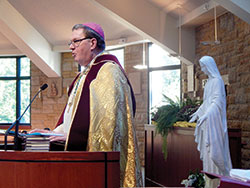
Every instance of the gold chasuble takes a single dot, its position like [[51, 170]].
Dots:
[[103, 109]]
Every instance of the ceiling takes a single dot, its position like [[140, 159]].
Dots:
[[41, 29]]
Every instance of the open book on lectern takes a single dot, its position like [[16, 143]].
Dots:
[[41, 134], [2, 132]]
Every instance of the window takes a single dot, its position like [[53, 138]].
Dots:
[[119, 53], [164, 76], [14, 89]]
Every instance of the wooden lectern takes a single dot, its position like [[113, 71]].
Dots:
[[20, 169]]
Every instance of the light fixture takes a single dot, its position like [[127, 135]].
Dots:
[[216, 41], [143, 65], [140, 67]]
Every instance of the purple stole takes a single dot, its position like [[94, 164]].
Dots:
[[78, 135]]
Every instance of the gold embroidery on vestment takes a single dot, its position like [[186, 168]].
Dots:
[[111, 127]]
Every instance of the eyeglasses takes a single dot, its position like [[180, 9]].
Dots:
[[77, 42]]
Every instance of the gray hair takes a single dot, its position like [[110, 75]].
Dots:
[[92, 34]]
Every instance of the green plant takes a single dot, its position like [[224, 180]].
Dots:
[[166, 115], [188, 107]]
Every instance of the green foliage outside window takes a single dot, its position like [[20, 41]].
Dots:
[[14, 71]]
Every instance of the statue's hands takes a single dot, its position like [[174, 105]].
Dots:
[[201, 120], [194, 117]]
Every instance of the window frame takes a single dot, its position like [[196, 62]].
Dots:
[[162, 68], [18, 78]]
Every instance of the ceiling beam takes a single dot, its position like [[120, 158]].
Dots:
[[151, 23], [187, 19], [10, 51], [28, 40], [240, 8]]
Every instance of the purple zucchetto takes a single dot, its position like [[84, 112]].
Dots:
[[96, 27]]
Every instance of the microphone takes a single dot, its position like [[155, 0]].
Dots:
[[44, 86], [16, 123]]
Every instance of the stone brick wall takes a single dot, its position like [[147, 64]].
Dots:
[[133, 56], [232, 56], [45, 110]]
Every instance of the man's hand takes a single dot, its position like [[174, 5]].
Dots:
[[58, 138], [52, 138], [39, 131]]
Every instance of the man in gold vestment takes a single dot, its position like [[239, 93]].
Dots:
[[101, 105]]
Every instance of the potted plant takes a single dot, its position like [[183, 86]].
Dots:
[[195, 179]]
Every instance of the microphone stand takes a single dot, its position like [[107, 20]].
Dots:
[[16, 123]]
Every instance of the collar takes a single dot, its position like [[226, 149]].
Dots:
[[85, 69]]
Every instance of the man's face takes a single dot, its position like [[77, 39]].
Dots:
[[81, 50]]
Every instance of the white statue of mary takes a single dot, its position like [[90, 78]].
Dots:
[[211, 130]]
